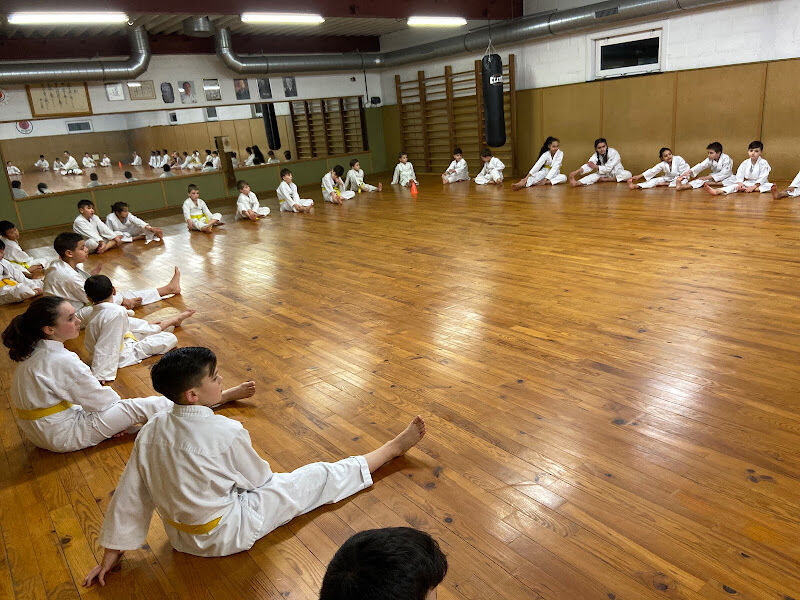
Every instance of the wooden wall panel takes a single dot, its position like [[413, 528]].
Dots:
[[781, 127], [392, 140], [258, 135], [572, 113], [529, 128], [723, 105], [637, 118]]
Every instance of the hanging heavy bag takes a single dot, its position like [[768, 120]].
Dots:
[[492, 75], [271, 126]]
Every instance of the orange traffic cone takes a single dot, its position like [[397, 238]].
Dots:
[[413, 187], [120, 164]]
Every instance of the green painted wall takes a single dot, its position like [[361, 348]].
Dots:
[[377, 147], [7, 212]]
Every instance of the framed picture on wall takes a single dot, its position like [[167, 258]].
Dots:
[[289, 87], [187, 91], [142, 90], [211, 89], [167, 94], [264, 89], [242, 89], [115, 92], [59, 99]]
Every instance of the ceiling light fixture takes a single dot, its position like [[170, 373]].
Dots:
[[67, 18], [293, 18], [436, 21], [134, 84]]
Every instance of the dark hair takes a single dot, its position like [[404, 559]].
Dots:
[[259, 156], [118, 207], [661, 152], [208, 152], [715, 146], [166, 169], [601, 158], [6, 226], [401, 155], [546, 146], [240, 184], [457, 151], [16, 184], [385, 564], [41, 186], [68, 240], [2, 245], [98, 288], [85, 202], [353, 162], [41, 156], [192, 187], [285, 172], [287, 155], [182, 369], [25, 330], [339, 170], [486, 152], [249, 149], [756, 145], [128, 174], [93, 176], [270, 153], [233, 154]]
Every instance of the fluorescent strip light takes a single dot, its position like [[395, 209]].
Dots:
[[134, 84], [436, 21], [68, 18], [295, 18]]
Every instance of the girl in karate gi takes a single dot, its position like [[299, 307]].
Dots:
[[60, 405], [215, 495], [671, 168], [547, 169], [120, 219], [751, 176], [605, 161]]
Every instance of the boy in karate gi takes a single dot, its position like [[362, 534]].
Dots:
[[199, 471], [93, 182], [670, 168], [65, 278], [9, 234], [334, 188], [99, 238], [458, 170], [355, 179], [791, 192], [196, 213], [289, 198], [42, 163], [721, 166], [751, 176], [105, 161], [57, 165], [404, 171], [88, 161], [12, 170], [247, 206], [70, 166], [115, 339], [492, 171], [17, 191], [136, 161], [15, 284], [271, 159]]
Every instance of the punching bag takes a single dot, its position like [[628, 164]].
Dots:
[[492, 71], [271, 126]]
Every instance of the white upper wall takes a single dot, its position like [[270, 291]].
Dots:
[[739, 32]]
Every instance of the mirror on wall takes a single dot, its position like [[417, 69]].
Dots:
[[101, 147]]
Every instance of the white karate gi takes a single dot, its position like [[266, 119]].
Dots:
[[234, 161], [133, 226], [105, 162], [57, 165], [14, 286], [93, 231], [548, 168], [721, 171], [167, 174], [19, 193], [355, 181], [793, 193], [164, 160], [18, 256], [611, 168], [154, 160], [288, 197], [114, 340], [249, 161], [216, 161], [329, 188], [70, 167], [273, 161], [53, 377], [492, 171], [750, 175], [403, 173], [669, 173], [42, 164], [250, 202], [199, 213], [137, 161], [461, 171], [62, 280], [88, 162], [12, 170], [215, 495], [196, 161], [187, 162]]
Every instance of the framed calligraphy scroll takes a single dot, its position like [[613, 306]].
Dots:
[[59, 99]]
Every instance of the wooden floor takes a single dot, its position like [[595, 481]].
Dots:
[[611, 383]]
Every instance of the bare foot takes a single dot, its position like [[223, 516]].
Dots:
[[517, 186], [410, 437], [631, 185], [380, 187], [176, 320], [572, 181], [174, 285], [774, 192], [132, 302], [709, 189], [244, 390]]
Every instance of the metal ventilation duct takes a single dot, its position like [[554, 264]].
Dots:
[[84, 70], [200, 27], [517, 30]]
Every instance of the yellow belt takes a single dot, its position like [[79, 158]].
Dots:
[[195, 529], [7, 282], [21, 264], [199, 217], [39, 413], [127, 336]]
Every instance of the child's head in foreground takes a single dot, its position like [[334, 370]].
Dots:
[[98, 288], [193, 191], [188, 376], [385, 564], [286, 175]]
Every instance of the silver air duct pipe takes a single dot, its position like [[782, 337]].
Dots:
[[84, 70], [518, 30]]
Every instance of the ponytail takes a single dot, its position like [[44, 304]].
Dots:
[[25, 330], [546, 146], [118, 207], [601, 160]]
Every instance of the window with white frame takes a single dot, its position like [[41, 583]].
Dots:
[[628, 54]]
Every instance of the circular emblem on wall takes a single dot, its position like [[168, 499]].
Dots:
[[25, 127]]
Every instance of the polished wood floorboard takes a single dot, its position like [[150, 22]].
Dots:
[[611, 382]]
